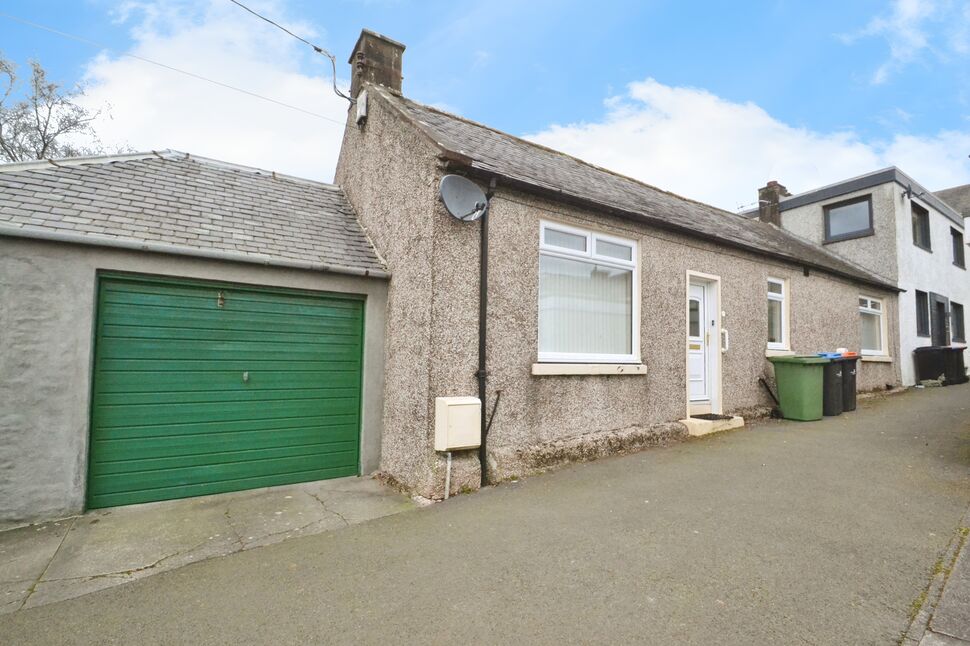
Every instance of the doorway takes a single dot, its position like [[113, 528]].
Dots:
[[703, 344], [939, 319]]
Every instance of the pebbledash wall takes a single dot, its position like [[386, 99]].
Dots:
[[890, 252], [432, 314], [49, 291]]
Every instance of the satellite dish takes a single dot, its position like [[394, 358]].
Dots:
[[463, 198]]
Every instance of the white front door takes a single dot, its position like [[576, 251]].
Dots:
[[699, 387]]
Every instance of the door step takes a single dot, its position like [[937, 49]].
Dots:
[[704, 425]]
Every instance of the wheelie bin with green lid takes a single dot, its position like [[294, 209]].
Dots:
[[799, 382]]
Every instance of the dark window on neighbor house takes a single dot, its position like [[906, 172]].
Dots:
[[921, 227], [922, 313], [956, 314], [958, 249], [848, 219]]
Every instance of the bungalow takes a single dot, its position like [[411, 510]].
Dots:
[[175, 326], [612, 308]]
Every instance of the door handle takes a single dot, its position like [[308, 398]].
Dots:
[[246, 377]]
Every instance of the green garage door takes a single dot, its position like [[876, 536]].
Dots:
[[201, 388]]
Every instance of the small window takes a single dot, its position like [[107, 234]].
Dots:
[[922, 313], [959, 259], [921, 227], [956, 314], [848, 219], [694, 319], [777, 315], [870, 312], [587, 300]]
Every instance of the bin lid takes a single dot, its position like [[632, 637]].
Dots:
[[812, 359], [830, 355]]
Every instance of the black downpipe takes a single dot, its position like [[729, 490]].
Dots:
[[482, 319]]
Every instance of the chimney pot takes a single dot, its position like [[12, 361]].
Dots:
[[375, 59]]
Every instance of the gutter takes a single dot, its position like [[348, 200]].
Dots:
[[194, 252], [560, 195]]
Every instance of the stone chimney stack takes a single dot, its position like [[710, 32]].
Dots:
[[375, 59], [768, 199]]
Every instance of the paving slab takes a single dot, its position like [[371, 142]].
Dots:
[[25, 553], [935, 639], [952, 614], [43, 564]]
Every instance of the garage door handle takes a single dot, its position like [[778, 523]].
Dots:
[[246, 377]]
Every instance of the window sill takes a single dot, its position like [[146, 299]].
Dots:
[[855, 235], [877, 358], [926, 249], [589, 369], [773, 352]]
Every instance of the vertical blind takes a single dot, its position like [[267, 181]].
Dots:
[[584, 307]]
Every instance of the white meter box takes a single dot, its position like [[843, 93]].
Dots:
[[457, 423]]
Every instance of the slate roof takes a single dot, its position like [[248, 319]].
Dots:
[[490, 152], [958, 197], [172, 201]]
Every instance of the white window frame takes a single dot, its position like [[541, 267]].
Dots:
[[881, 313], [591, 257], [785, 343]]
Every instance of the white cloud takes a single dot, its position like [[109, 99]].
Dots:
[[694, 143], [914, 27], [154, 108]]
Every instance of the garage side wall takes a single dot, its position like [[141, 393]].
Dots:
[[48, 293]]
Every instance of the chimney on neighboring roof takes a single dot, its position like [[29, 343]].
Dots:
[[769, 197], [375, 59]]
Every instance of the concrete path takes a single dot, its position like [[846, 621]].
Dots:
[[40, 564], [782, 533]]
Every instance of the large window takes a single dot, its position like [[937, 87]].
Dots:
[[922, 313], [956, 314], [848, 219], [777, 315], [587, 299], [873, 336], [959, 259], [921, 227]]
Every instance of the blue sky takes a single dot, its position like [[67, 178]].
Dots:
[[708, 102]]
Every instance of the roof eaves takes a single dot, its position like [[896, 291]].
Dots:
[[558, 193], [196, 252], [869, 180]]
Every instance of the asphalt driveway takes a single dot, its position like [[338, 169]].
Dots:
[[781, 533]]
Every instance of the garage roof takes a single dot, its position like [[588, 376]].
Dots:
[[173, 202], [489, 152]]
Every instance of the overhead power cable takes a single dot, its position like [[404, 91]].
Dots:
[[316, 48], [199, 77]]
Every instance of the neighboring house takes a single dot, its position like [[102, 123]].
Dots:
[[958, 197], [889, 224], [614, 308], [174, 326]]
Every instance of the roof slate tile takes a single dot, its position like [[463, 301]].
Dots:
[[191, 202], [496, 153]]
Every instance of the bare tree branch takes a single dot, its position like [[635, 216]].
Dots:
[[46, 122]]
